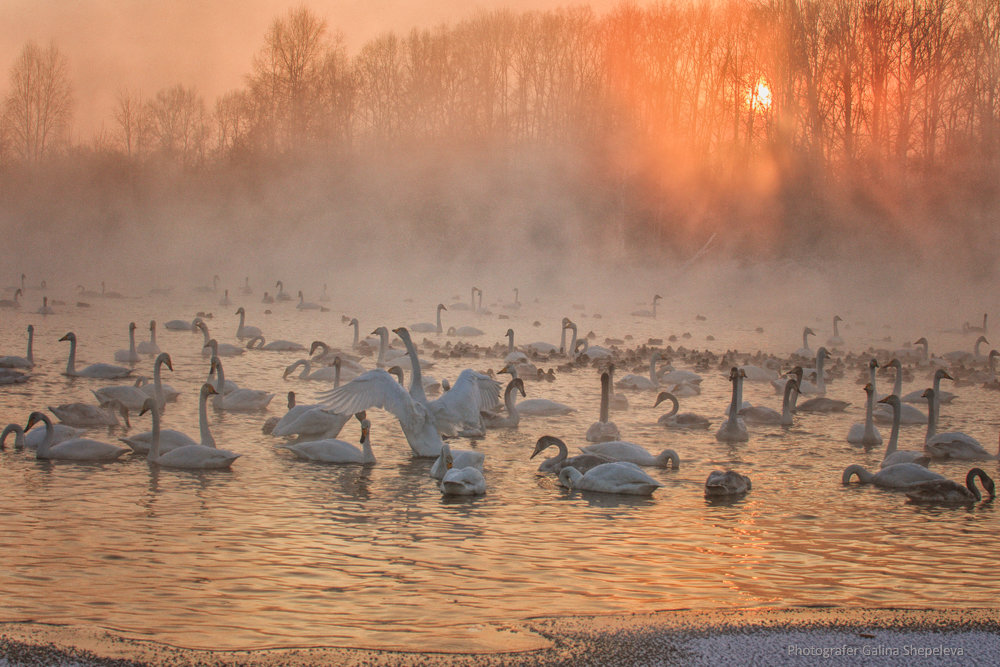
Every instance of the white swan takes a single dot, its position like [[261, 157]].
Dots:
[[461, 481], [460, 458], [582, 462], [246, 289], [512, 417], [427, 327], [163, 393], [149, 346], [258, 343], [75, 449], [616, 477], [687, 420], [835, 340], [543, 348], [224, 301], [213, 348], [238, 400], [908, 414], [917, 396], [45, 308], [82, 414], [60, 433], [243, 330], [188, 457], [647, 313], [331, 450], [961, 356], [892, 454], [460, 305], [968, 328], [26, 362], [947, 491], [618, 450], [179, 325], [734, 429], [805, 351], [331, 373], [721, 484], [952, 444], [128, 395], [898, 476], [759, 414], [141, 443], [18, 432], [616, 401], [102, 371], [604, 430], [866, 434], [306, 305], [377, 388], [12, 303], [465, 332], [281, 295]]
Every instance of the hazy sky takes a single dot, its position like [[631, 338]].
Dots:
[[152, 44]]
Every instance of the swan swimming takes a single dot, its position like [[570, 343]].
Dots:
[[149, 346], [759, 414], [238, 400], [892, 454], [243, 330], [952, 444], [75, 449], [427, 327], [603, 430], [331, 450], [467, 481], [189, 457], [512, 418], [582, 462], [866, 434], [734, 429], [619, 450], [460, 458], [687, 420], [82, 414], [615, 477], [26, 362], [101, 371], [897, 476], [946, 491]]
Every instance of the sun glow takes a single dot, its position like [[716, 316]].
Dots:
[[759, 96]]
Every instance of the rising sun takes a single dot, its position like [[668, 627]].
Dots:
[[759, 95]]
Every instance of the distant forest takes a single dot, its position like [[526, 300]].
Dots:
[[776, 125]]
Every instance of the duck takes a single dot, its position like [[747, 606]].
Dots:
[[582, 462], [83, 414], [866, 434], [947, 492], [896, 476], [603, 430], [187, 457], [952, 444], [892, 454], [460, 458], [331, 450], [149, 346], [101, 371], [74, 449], [512, 417], [616, 477], [721, 484], [619, 450], [685, 420]]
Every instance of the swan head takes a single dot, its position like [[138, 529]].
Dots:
[[317, 344], [921, 341], [131, 327], [893, 400], [988, 484], [873, 363], [656, 298], [70, 337], [366, 427], [404, 333], [808, 332], [31, 330], [982, 339], [164, 358], [544, 443], [18, 436], [36, 417], [291, 400], [291, 368], [147, 406], [928, 394], [569, 475], [667, 396], [942, 374], [241, 311], [838, 318], [397, 371], [868, 388], [441, 306], [518, 384], [207, 389]]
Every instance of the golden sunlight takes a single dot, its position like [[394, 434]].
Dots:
[[759, 96]]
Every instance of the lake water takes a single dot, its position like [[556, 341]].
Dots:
[[279, 552]]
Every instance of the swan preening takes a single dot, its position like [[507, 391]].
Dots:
[[615, 477], [728, 483]]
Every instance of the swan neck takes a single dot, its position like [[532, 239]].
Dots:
[[854, 469], [932, 417], [870, 414], [71, 364], [50, 435], [154, 445], [416, 378], [439, 328], [894, 436], [206, 434], [158, 384], [31, 345], [897, 386], [605, 398]]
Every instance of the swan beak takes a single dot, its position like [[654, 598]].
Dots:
[[66, 337]]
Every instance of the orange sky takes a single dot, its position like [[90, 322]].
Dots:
[[149, 44]]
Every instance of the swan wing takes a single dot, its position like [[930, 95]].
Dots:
[[373, 389], [471, 394]]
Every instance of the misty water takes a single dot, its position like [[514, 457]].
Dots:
[[280, 552]]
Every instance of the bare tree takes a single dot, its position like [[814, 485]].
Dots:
[[40, 104], [179, 124], [132, 118]]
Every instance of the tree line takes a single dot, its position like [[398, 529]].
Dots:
[[822, 87]]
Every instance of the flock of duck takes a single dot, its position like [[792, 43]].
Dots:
[[477, 401]]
